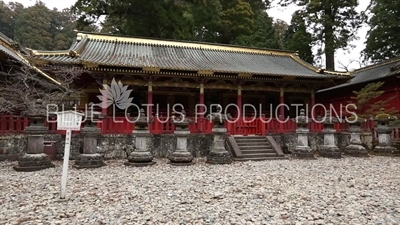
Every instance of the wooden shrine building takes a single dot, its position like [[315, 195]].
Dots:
[[166, 72]]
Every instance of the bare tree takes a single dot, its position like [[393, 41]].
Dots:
[[22, 85]]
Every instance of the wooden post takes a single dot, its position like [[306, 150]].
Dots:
[[104, 108], [312, 103], [281, 101], [281, 109], [239, 101], [150, 98], [201, 123], [201, 99]]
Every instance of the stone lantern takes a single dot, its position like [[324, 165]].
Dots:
[[218, 153], [384, 131], [141, 156], [35, 159], [329, 149], [181, 156], [302, 149], [90, 132], [355, 147]]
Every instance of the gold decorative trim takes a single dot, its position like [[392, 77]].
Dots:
[[89, 65], [49, 53], [73, 54], [289, 78], [315, 69], [151, 69], [205, 72], [245, 75]]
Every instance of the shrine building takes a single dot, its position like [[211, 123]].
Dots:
[[167, 72]]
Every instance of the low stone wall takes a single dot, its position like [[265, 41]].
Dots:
[[110, 146], [288, 141], [120, 146]]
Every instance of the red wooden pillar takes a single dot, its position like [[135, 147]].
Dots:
[[312, 103], [281, 102], [201, 122], [398, 99], [104, 108], [150, 98], [281, 109], [201, 100], [239, 101]]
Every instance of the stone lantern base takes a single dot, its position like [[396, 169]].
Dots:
[[385, 150], [33, 162], [303, 152], [142, 155], [219, 158], [180, 158], [330, 152], [84, 161], [356, 151], [218, 153], [139, 159]]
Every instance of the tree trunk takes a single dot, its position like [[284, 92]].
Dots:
[[329, 39]]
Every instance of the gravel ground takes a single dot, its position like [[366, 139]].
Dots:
[[323, 191]]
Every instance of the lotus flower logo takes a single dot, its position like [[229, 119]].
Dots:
[[116, 94]]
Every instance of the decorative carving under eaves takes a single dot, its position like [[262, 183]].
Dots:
[[298, 90], [38, 62], [87, 64], [259, 86], [136, 82]]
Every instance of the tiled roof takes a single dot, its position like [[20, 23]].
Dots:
[[18, 53], [371, 73], [9, 47], [131, 52]]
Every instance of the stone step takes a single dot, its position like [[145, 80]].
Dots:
[[259, 155], [252, 143], [250, 138], [254, 147], [244, 152], [261, 158]]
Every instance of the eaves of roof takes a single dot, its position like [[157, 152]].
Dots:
[[371, 73], [94, 49], [9, 48]]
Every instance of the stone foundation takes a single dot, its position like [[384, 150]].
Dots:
[[33, 162], [89, 161], [118, 146]]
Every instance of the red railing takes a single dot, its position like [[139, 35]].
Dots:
[[162, 125]]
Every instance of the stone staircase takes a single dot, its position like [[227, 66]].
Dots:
[[255, 148]]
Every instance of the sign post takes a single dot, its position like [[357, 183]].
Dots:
[[68, 121]]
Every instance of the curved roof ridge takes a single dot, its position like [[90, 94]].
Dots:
[[316, 69], [182, 43], [379, 64]]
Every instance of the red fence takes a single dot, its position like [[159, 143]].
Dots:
[[239, 126]]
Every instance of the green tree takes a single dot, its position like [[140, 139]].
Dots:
[[333, 23], [40, 28], [33, 27], [264, 35], [157, 19], [383, 39], [235, 19], [281, 28], [8, 17], [297, 38], [366, 101]]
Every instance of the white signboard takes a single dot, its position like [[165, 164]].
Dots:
[[68, 121]]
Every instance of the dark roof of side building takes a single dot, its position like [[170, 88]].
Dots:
[[371, 73], [134, 52]]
